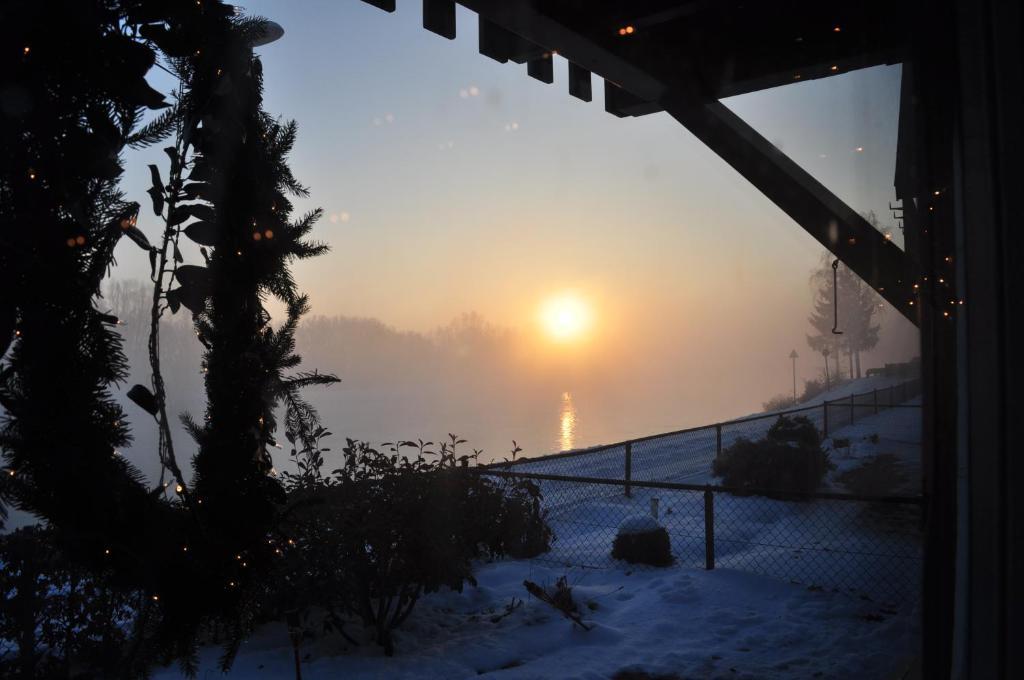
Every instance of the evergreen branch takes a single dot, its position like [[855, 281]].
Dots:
[[155, 130]]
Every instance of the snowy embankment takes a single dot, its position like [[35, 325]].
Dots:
[[695, 624], [855, 386], [839, 621], [686, 456]]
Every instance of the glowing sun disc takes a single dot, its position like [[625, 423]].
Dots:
[[565, 317]]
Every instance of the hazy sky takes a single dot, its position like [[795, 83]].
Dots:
[[453, 183]]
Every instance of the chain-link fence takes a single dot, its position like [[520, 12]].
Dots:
[[869, 546], [839, 413], [866, 546]]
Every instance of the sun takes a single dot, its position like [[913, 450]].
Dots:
[[565, 317]]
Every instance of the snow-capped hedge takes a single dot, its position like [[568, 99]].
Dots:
[[642, 540]]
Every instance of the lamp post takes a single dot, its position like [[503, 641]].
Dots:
[[828, 381], [793, 355]]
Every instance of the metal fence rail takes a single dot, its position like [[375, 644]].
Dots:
[[867, 545]]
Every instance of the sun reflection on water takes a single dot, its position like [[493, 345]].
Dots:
[[567, 429]]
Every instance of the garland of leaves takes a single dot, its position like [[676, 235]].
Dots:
[[236, 194], [71, 104], [74, 92]]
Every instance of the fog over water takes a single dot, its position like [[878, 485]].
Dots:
[[487, 384]]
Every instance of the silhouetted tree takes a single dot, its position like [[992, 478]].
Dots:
[[858, 308]]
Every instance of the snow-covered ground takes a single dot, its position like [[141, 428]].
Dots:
[[694, 623], [857, 386], [824, 589]]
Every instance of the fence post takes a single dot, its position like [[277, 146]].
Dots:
[[709, 529], [852, 416], [718, 440], [875, 399], [824, 418], [629, 469]]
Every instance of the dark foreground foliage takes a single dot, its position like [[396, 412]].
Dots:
[[789, 458], [363, 544], [356, 548], [64, 621]]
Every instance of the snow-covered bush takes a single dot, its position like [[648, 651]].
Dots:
[[641, 540], [789, 458], [796, 430], [369, 540]]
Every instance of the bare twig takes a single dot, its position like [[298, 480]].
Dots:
[[560, 600]]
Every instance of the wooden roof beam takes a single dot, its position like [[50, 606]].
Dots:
[[439, 17], [822, 214], [503, 45]]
